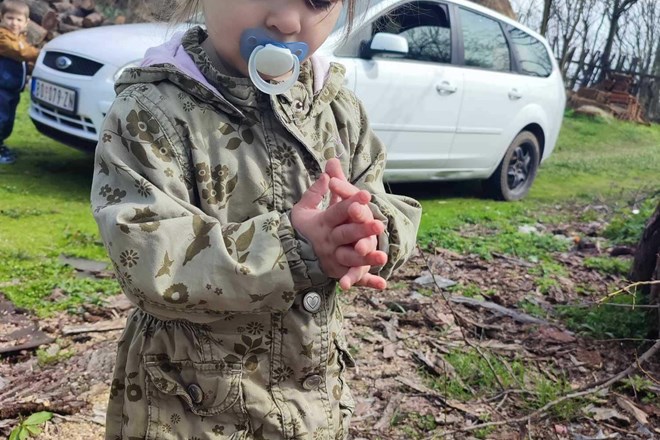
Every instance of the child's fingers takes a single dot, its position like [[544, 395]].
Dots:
[[355, 232], [372, 281], [353, 275], [358, 213], [334, 199], [315, 193], [333, 169], [346, 256], [367, 244], [342, 187], [338, 214]]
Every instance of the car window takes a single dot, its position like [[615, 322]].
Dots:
[[484, 43], [426, 27], [532, 55]]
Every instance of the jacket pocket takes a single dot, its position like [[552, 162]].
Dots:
[[206, 388]]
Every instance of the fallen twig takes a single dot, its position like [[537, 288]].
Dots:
[[513, 260], [516, 316], [437, 396], [594, 388], [389, 411], [102, 326], [627, 288], [78, 419]]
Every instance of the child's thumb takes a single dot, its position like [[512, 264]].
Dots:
[[315, 193]]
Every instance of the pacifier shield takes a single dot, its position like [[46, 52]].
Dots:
[[253, 38], [271, 58]]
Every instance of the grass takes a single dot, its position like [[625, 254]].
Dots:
[[614, 266], [593, 161], [608, 321], [477, 375], [628, 224], [640, 386], [45, 213]]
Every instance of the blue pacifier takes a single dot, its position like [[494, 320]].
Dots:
[[267, 56]]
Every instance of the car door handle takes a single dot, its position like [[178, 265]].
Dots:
[[515, 95], [445, 88]]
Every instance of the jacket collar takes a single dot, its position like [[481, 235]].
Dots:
[[184, 62]]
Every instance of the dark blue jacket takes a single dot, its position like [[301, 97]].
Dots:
[[12, 74]]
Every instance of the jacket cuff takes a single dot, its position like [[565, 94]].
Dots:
[[383, 239], [303, 264]]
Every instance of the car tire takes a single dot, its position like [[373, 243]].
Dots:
[[516, 172]]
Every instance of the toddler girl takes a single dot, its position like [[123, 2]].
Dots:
[[236, 184]]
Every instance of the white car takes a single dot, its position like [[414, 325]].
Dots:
[[456, 91]]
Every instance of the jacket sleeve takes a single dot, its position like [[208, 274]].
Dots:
[[400, 214], [171, 259], [17, 49]]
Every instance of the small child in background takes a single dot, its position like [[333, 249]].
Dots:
[[15, 53]]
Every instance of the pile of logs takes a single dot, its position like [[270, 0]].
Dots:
[[50, 18], [614, 96]]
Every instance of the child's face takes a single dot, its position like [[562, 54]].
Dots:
[[15, 22], [309, 21]]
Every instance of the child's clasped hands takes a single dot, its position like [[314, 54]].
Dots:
[[345, 235]]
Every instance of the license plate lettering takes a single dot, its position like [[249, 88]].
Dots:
[[57, 96]]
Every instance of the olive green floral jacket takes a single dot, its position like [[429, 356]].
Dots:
[[237, 333]]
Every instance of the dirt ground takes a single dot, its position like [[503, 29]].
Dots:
[[403, 340]]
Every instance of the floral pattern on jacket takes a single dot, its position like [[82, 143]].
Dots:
[[192, 193]]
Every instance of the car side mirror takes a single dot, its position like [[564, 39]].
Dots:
[[387, 45]]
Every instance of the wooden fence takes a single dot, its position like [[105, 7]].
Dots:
[[587, 71]]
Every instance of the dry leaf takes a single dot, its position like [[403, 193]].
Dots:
[[630, 407]]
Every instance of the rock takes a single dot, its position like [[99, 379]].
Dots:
[[594, 112], [428, 280], [528, 229]]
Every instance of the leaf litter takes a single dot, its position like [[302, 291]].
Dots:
[[431, 363]]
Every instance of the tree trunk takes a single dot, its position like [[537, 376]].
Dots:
[[650, 96], [619, 8], [547, 5], [646, 266]]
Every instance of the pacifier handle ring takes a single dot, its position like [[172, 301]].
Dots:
[[263, 85]]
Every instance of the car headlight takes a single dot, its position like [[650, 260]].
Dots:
[[126, 66]]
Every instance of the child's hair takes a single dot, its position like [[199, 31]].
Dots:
[[186, 10], [15, 6]]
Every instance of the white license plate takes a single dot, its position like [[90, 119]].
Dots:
[[61, 97]]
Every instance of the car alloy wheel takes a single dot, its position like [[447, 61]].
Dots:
[[516, 172], [519, 167]]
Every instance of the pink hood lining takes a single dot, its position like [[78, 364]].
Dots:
[[172, 52]]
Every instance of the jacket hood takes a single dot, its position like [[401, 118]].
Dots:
[[170, 61]]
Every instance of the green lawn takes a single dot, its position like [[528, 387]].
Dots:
[[44, 213], [593, 161], [44, 205]]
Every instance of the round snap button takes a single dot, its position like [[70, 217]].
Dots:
[[196, 394], [312, 382], [312, 302], [298, 106]]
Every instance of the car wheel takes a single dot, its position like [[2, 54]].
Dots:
[[516, 172]]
